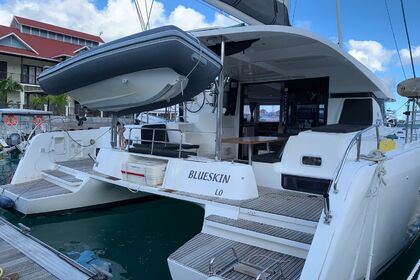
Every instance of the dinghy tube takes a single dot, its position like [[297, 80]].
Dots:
[[142, 72]]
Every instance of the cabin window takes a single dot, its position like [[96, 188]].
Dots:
[[269, 113], [282, 109], [247, 113]]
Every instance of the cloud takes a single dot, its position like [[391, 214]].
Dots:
[[117, 19], [371, 53], [405, 55], [390, 82], [304, 24]]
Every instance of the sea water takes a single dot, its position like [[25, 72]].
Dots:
[[133, 241]]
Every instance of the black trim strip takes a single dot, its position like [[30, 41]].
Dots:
[[352, 95], [305, 184]]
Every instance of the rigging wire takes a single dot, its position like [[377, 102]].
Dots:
[[395, 40], [140, 16], [149, 14], [294, 10], [408, 38], [147, 10]]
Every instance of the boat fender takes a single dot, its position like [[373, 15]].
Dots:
[[6, 202]]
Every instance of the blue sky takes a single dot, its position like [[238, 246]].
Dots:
[[362, 20], [366, 30]]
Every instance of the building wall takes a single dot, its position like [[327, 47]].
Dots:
[[39, 63], [13, 98], [13, 65], [14, 70]]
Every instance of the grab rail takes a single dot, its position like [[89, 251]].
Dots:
[[211, 263], [153, 141], [357, 139], [270, 266], [264, 270]]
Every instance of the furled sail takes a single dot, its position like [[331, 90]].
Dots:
[[270, 12]]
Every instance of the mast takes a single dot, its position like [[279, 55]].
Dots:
[[339, 32], [408, 38]]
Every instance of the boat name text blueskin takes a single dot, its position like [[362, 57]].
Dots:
[[209, 176]]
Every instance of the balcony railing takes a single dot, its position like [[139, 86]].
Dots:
[[21, 78]]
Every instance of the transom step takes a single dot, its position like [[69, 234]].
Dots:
[[211, 255], [286, 203], [262, 228], [33, 189], [60, 176]]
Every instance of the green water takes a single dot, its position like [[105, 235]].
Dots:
[[134, 240]]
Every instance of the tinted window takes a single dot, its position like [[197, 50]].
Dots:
[[3, 70]]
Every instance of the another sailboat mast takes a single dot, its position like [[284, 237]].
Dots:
[[340, 34]]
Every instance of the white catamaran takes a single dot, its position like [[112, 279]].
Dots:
[[307, 182]]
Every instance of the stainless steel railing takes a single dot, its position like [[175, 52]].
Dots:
[[356, 140], [270, 268], [153, 141]]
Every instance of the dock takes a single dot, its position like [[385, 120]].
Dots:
[[33, 260]]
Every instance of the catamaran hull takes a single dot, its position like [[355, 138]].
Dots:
[[55, 174], [369, 219], [342, 249], [91, 193]]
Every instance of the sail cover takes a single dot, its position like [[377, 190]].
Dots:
[[270, 12]]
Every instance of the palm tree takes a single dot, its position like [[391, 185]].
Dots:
[[7, 86]]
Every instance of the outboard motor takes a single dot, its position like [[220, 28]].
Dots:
[[13, 140], [81, 120]]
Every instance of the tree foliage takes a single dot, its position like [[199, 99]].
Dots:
[[8, 86], [57, 101]]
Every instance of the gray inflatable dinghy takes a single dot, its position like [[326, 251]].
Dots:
[[141, 72]]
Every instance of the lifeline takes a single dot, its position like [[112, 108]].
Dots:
[[209, 176]]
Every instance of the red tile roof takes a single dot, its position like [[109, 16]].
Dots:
[[57, 29], [46, 49]]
